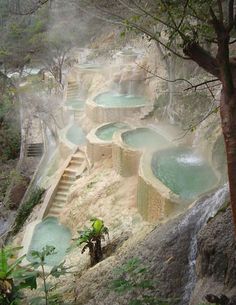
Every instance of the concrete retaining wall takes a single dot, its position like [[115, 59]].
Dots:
[[100, 114]]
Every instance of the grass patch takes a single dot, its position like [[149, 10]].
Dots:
[[26, 208]]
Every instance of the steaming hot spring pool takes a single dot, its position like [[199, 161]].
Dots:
[[183, 172], [76, 135], [50, 233], [140, 138], [75, 104], [113, 99], [106, 132]]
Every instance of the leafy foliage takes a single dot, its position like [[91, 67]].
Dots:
[[13, 278], [26, 208], [92, 238], [49, 296], [132, 278]]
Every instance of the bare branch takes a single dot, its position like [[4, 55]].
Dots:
[[201, 84], [32, 10], [163, 78], [173, 21]]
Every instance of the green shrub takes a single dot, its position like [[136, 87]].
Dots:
[[13, 278], [9, 142], [92, 238], [26, 208], [132, 278]]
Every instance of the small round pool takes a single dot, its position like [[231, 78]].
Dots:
[[112, 99], [75, 104], [183, 172], [50, 233], [106, 132], [76, 135], [140, 138]]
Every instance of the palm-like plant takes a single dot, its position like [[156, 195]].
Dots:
[[13, 277], [92, 238]]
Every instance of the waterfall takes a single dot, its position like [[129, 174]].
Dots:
[[203, 210]]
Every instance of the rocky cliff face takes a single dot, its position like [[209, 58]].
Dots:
[[216, 260]]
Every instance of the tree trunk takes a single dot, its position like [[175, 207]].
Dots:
[[228, 121], [98, 250]]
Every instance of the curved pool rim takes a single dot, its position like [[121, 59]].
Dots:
[[146, 171], [119, 107], [120, 140], [126, 126], [38, 228], [142, 128], [66, 141]]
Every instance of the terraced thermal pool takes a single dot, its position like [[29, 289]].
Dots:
[[75, 104], [106, 132], [183, 172], [113, 99], [50, 232], [76, 135], [144, 138]]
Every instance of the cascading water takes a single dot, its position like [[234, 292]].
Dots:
[[198, 216]]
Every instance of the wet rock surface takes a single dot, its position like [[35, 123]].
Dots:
[[216, 259], [164, 252]]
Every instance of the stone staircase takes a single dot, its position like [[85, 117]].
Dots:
[[73, 171], [72, 91], [34, 150]]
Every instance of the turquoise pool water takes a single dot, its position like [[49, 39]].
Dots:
[[75, 104], [76, 135], [183, 172], [106, 132], [113, 99], [144, 138], [50, 233]]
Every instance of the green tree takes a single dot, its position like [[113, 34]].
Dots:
[[92, 238]]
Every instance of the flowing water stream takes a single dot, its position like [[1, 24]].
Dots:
[[203, 210]]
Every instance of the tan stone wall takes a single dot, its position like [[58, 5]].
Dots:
[[154, 200], [100, 114], [125, 160], [96, 151]]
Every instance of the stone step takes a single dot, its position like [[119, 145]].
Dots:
[[76, 162], [62, 188], [72, 87], [77, 155], [62, 193], [72, 95], [34, 155], [61, 198], [58, 204], [65, 183], [66, 177], [70, 172], [74, 167], [54, 211]]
